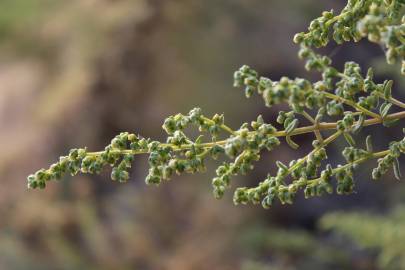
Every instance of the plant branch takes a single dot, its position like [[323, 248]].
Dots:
[[352, 104], [317, 133], [355, 162], [297, 131]]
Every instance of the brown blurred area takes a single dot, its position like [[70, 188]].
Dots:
[[75, 73]]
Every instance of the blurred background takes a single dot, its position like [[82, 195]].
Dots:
[[75, 73]]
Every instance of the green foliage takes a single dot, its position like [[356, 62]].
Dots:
[[290, 249], [350, 97], [16, 16], [385, 233]]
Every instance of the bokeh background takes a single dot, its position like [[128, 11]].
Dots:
[[75, 73]]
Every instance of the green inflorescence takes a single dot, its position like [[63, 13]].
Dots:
[[380, 21], [350, 96]]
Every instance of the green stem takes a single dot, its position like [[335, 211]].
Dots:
[[351, 103], [317, 133], [297, 131]]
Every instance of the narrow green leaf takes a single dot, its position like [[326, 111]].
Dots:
[[390, 123], [291, 126], [388, 89], [349, 139], [281, 165], [199, 139], [369, 144], [397, 171], [370, 73], [385, 107], [291, 143], [356, 129]]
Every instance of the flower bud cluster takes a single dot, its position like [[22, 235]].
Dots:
[[345, 182], [388, 30], [120, 153], [350, 88], [244, 147], [352, 154], [179, 122], [275, 186], [343, 27], [390, 160], [79, 160], [297, 93], [322, 186], [67, 164], [346, 123], [381, 22], [348, 96], [180, 154]]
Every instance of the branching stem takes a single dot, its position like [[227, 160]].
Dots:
[[282, 133], [355, 162]]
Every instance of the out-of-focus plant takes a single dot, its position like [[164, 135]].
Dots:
[[288, 248], [349, 97], [384, 233]]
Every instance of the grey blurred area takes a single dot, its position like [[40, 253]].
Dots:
[[75, 73]]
